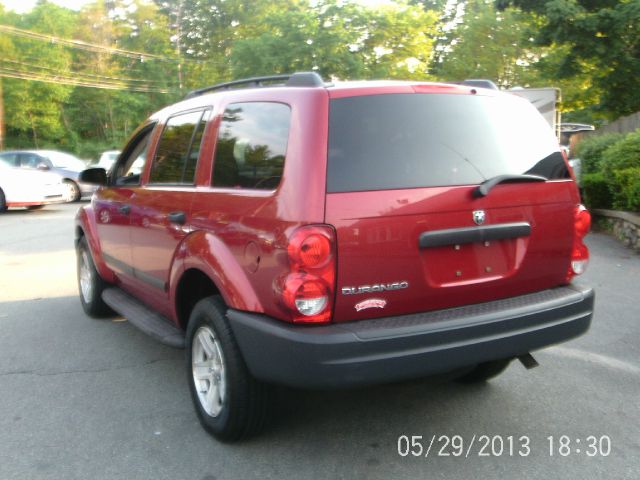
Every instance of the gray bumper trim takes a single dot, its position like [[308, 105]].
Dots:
[[409, 346]]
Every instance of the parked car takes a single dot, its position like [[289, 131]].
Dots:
[[333, 235], [65, 165], [30, 189], [107, 159]]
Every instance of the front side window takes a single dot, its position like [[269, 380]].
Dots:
[[177, 154], [31, 160], [131, 163], [252, 145]]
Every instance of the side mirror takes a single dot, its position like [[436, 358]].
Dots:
[[96, 176], [42, 166]]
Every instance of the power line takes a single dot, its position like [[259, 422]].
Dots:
[[77, 74], [90, 47], [65, 80]]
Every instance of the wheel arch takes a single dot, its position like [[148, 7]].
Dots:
[[85, 227], [204, 264]]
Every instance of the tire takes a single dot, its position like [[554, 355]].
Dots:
[[90, 283], [72, 191], [35, 207], [230, 403], [485, 371], [3, 202]]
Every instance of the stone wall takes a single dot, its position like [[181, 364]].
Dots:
[[625, 226]]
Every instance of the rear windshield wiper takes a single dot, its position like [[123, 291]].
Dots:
[[483, 189]]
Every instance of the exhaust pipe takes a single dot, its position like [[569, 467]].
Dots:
[[528, 361]]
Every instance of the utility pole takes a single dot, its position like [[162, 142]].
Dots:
[[178, 45], [1, 116]]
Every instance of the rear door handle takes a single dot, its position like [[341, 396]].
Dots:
[[177, 217], [124, 209]]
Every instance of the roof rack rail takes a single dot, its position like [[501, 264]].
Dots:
[[480, 83], [298, 79]]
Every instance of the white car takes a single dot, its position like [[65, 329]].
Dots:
[[107, 159], [28, 188]]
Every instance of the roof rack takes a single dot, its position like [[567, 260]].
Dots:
[[298, 79], [480, 83]]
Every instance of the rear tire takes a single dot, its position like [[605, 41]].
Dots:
[[90, 283], [485, 371], [230, 403]]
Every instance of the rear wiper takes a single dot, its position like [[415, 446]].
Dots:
[[483, 189]]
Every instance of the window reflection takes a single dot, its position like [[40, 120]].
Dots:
[[252, 144]]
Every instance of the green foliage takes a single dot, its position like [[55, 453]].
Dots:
[[612, 171], [625, 188], [495, 45], [339, 39], [588, 49], [601, 40], [590, 150], [596, 191], [622, 155]]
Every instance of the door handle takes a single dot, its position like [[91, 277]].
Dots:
[[177, 217], [124, 209]]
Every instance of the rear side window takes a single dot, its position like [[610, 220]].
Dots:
[[177, 153], [252, 145], [397, 141]]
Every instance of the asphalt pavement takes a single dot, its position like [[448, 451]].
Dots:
[[97, 399]]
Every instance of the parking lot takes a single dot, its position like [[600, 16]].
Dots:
[[83, 398]]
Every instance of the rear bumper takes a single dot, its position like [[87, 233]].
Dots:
[[409, 346]]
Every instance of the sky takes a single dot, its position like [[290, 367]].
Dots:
[[21, 6]]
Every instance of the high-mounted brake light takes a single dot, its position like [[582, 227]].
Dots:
[[308, 291], [579, 252]]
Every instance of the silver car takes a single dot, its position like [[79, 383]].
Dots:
[[65, 165]]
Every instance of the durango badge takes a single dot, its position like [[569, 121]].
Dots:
[[371, 303]]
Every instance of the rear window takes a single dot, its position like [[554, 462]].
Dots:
[[397, 141]]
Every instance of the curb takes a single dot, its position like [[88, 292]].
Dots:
[[625, 226]]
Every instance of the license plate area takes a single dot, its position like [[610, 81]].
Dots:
[[478, 262]]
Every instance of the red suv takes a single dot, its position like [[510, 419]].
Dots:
[[288, 231]]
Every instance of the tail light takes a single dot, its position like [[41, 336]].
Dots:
[[308, 290], [579, 252]]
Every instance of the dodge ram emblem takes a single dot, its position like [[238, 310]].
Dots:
[[478, 217]]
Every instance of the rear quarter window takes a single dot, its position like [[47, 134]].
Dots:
[[252, 145], [398, 141]]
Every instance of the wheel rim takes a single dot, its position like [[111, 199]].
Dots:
[[86, 277], [70, 192], [207, 364]]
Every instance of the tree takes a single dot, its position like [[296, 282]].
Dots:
[[601, 40], [339, 39], [495, 45], [32, 109]]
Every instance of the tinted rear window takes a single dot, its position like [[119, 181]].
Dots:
[[396, 141]]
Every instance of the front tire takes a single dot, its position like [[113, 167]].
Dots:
[[90, 283], [71, 191], [230, 403]]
